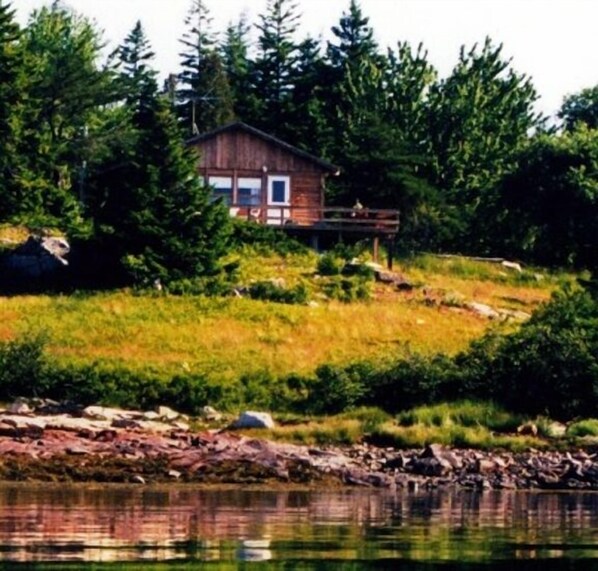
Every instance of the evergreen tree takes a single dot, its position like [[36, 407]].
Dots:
[[153, 218], [310, 128], [275, 64], [580, 108], [133, 57], [204, 94], [234, 52], [356, 88], [10, 81], [354, 39], [408, 78]]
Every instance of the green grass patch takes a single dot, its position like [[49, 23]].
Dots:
[[583, 428], [465, 414]]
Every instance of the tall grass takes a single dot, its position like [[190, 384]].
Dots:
[[224, 338]]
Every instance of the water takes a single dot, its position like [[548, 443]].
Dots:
[[55, 527]]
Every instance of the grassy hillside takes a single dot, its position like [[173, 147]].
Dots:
[[226, 337]]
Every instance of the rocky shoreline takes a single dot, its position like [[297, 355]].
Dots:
[[56, 442]]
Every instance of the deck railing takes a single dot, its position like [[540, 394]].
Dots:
[[367, 220]]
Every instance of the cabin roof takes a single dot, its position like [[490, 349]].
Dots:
[[240, 126]]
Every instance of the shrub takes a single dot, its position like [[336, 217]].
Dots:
[[264, 239], [270, 291], [550, 366], [330, 265], [346, 289], [336, 389], [588, 427], [22, 367]]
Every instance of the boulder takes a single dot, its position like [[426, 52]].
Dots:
[[167, 414], [20, 406], [210, 414], [252, 419], [511, 265], [483, 310], [37, 257]]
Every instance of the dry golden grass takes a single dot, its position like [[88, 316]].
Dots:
[[228, 337]]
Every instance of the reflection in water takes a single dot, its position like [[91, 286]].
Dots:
[[52, 523]]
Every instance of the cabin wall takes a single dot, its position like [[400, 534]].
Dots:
[[239, 154], [238, 149]]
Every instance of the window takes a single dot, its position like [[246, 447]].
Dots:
[[222, 187], [249, 191], [279, 190]]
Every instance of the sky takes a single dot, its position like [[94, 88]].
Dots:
[[555, 42]]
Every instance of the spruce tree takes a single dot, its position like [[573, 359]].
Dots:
[[275, 64], [133, 57], [234, 52], [155, 220], [10, 76], [203, 94]]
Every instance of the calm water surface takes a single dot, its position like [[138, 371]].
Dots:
[[81, 527]]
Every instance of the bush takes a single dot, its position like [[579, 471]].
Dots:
[[265, 239], [22, 368], [337, 389], [269, 291], [330, 265], [346, 289], [550, 366], [412, 381], [588, 427]]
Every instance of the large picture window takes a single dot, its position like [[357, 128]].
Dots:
[[222, 187], [249, 191]]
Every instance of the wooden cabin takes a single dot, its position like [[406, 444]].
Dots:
[[264, 179], [261, 177]]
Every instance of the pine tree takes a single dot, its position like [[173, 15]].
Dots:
[[10, 75], [154, 218], [274, 66], [234, 52], [308, 123], [204, 94], [133, 59], [354, 37], [480, 118]]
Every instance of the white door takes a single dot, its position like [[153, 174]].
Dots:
[[279, 196]]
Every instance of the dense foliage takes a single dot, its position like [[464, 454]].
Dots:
[[548, 367], [457, 155]]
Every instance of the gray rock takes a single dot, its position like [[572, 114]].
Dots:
[[210, 414], [20, 406], [37, 257], [483, 310], [252, 419], [167, 414]]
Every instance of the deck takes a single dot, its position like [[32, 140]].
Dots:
[[372, 221]]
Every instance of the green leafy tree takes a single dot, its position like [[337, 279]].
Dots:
[[480, 117], [547, 208], [579, 108], [65, 92], [204, 94]]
